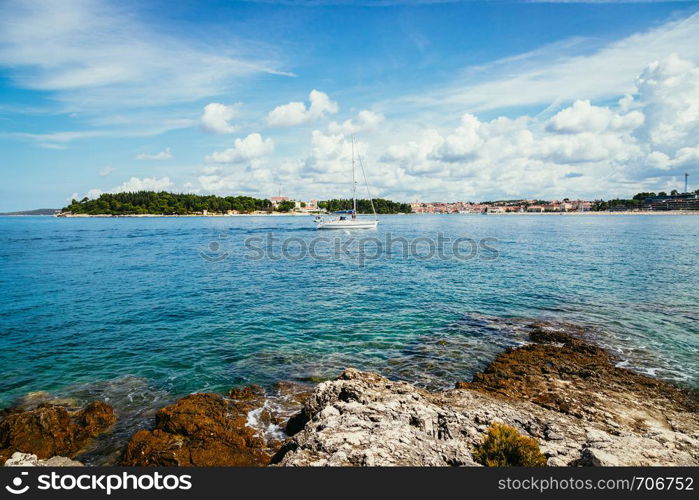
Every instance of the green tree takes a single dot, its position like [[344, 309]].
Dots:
[[286, 206], [381, 206], [163, 203]]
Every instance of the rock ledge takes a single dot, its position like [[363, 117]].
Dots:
[[560, 390]]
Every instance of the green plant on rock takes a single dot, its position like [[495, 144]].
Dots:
[[503, 446]]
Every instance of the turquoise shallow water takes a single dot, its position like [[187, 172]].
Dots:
[[127, 307]]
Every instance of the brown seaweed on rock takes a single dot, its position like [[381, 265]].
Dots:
[[50, 430], [198, 430], [209, 430], [564, 373]]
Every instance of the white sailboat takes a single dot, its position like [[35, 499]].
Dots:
[[347, 219]]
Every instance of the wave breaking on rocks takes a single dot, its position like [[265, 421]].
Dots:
[[553, 386]]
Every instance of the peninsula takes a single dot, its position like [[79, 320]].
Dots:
[[164, 203]]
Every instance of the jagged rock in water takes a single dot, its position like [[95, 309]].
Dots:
[[27, 460], [49, 430], [563, 392], [566, 374], [243, 429], [199, 430], [250, 394]]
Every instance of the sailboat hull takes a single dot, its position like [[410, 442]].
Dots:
[[348, 224]]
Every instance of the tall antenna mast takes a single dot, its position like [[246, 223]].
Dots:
[[354, 182], [686, 174]]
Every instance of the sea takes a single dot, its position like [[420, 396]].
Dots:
[[141, 310]]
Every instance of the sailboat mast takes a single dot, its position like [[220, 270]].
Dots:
[[354, 182], [368, 191]]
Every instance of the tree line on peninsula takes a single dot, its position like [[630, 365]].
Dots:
[[165, 203]]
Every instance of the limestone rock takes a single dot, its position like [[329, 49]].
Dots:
[[27, 460], [363, 419]]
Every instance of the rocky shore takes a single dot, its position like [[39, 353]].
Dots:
[[52, 429], [565, 393]]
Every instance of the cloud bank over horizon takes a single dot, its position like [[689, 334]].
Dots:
[[578, 117], [645, 140]]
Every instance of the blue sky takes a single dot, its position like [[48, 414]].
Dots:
[[447, 100]]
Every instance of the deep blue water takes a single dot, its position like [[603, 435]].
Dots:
[[131, 304]]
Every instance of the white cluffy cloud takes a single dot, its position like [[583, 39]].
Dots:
[[366, 121], [163, 155], [643, 142], [132, 185], [216, 118], [330, 154], [584, 117], [324, 170], [249, 148], [296, 113], [669, 97], [145, 184]]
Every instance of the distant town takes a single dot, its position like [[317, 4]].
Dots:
[[674, 201], [649, 201]]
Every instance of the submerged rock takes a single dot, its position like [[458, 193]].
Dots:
[[199, 430], [49, 430], [27, 460], [32, 400], [563, 392]]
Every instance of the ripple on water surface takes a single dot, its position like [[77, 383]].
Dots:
[[103, 299]]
